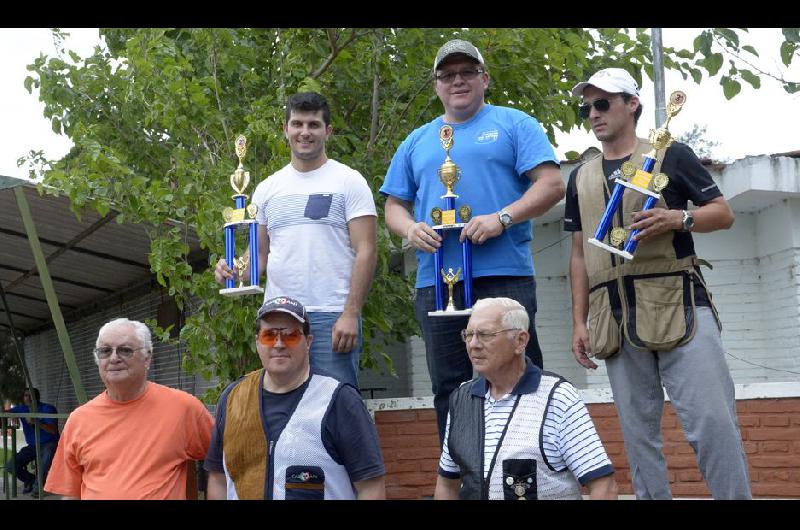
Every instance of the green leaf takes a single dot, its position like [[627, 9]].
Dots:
[[729, 35], [751, 78], [787, 52], [713, 63], [28, 84], [697, 75], [572, 155], [750, 49], [730, 87], [791, 34]]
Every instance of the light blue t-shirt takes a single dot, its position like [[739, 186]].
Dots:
[[494, 149]]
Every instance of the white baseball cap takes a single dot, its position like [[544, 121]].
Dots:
[[612, 80]]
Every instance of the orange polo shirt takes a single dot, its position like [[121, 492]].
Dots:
[[131, 450]]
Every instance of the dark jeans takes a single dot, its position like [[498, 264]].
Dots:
[[448, 362], [26, 455]]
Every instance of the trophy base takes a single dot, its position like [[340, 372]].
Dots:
[[449, 227], [637, 188], [241, 291], [609, 248], [443, 313]]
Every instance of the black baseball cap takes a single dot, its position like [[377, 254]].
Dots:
[[283, 304]]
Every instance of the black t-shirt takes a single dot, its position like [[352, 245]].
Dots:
[[688, 181], [348, 432]]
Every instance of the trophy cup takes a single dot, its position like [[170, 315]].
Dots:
[[235, 220], [444, 221], [640, 180]]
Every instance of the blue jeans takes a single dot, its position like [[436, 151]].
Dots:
[[26, 455], [446, 353], [342, 366]]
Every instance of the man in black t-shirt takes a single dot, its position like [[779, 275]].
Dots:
[[651, 318], [290, 432]]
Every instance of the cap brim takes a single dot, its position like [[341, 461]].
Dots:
[[577, 90], [281, 310]]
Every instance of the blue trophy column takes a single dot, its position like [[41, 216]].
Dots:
[[466, 258], [229, 252], [608, 215], [254, 272], [437, 275]]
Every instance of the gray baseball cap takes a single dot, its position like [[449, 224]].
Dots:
[[283, 304], [454, 47]]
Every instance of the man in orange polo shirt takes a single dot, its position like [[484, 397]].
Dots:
[[133, 440]]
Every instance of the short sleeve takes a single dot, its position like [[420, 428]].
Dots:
[[569, 438], [350, 436], [448, 468], [358, 198], [199, 424], [66, 473], [572, 212], [213, 458], [692, 178], [532, 146], [399, 181]]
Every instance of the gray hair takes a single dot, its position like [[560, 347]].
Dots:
[[514, 315], [140, 328]]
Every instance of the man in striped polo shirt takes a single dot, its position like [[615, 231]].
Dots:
[[515, 432]]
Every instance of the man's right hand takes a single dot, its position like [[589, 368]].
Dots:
[[222, 272], [423, 237], [581, 347]]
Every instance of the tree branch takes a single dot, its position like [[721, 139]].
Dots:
[[216, 92], [376, 83], [335, 50]]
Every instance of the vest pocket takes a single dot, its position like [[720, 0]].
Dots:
[[305, 483], [519, 480], [604, 332], [661, 310]]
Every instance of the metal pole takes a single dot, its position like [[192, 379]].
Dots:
[[50, 294], [658, 77]]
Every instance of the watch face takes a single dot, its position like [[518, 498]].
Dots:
[[505, 219]]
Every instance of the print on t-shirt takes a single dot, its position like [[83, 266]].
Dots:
[[318, 205]]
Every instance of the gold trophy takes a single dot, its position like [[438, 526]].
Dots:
[[234, 220], [450, 280], [641, 180], [444, 221]]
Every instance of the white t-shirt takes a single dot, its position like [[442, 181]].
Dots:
[[306, 215]]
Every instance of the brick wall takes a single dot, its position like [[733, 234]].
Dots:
[[770, 431]]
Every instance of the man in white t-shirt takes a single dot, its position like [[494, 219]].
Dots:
[[317, 238]]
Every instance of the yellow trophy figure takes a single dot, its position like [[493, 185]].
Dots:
[[450, 280]]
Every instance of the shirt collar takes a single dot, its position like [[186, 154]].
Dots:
[[527, 384]]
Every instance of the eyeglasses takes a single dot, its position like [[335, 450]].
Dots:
[[269, 337], [483, 336], [600, 105], [468, 74], [104, 352]]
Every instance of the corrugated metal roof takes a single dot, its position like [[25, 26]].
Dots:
[[89, 260]]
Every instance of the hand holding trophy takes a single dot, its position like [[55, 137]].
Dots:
[[235, 220], [640, 180]]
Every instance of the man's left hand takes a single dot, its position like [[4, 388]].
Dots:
[[656, 221], [345, 333], [482, 228]]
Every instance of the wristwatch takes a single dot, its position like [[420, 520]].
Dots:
[[688, 221], [505, 218]]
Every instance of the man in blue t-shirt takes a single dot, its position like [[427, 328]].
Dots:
[[48, 441], [510, 175]]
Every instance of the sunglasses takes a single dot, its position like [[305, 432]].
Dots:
[[600, 105], [466, 74], [104, 352], [269, 337]]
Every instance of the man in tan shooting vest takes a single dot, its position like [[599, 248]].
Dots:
[[652, 318]]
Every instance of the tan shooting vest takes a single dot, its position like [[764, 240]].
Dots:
[[648, 300]]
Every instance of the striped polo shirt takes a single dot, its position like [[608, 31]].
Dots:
[[569, 439]]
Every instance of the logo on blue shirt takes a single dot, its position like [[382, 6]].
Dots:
[[487, 137]]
